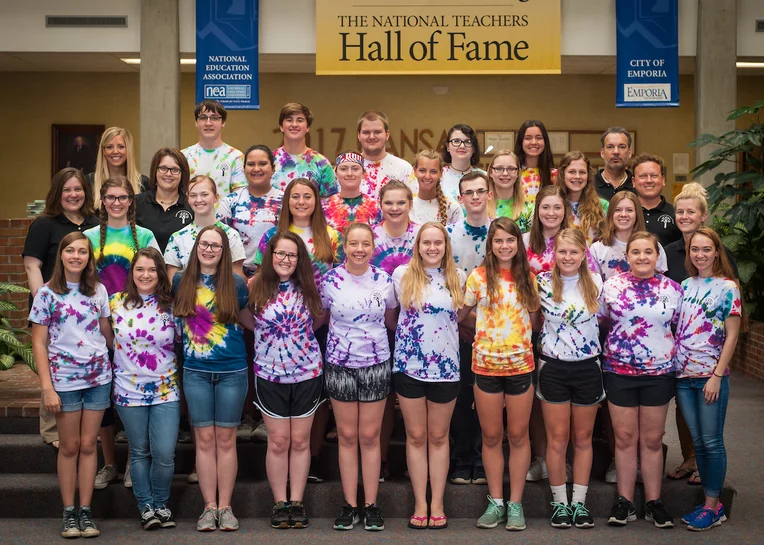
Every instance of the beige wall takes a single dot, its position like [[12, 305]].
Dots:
[[34, 101]]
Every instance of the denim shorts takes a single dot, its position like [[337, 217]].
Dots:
[[96, 398], [215, 399]]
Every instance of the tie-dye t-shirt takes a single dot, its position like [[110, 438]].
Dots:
[[449, 181], [181, 244], [575, 211], [286, 349], [225, 165], [427, 339], [306, 234], [505, 208], [611, 260], [392, 252], [118, 252], [378, 173], [532, 182], [502, 344], [311, 165], [570, 331], [423, 211], [208, 345], [77, 350], [545, 261], [641, 311], [468, 244], [251, 217], [700, 334], [145, 370], [341, 212], [357, 305]]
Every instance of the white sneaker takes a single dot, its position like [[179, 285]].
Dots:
[[260, 433], [128, 479], [610, 475], [568, 472], [105, 476], [193, 478], [245, 428], [537, 470]]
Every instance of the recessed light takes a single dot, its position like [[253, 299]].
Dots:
[[749, 64]]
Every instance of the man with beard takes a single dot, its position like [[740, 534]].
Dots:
[[616, 151]]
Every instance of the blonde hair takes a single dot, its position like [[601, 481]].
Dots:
[[416, 279], [200, 179], [442, 201], [517, 188], [586, 285], [101, 173], [694, 190], [608, 232]]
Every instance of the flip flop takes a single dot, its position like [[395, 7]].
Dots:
[[679, 474], [695, 479], [432, 526], [418, 519]]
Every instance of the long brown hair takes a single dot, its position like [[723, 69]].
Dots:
[[442, 200], [586, 285], [589, 206], [322, 243], [265, 285], [163, 290], [53, 198], [103, 216], [525, 282], [518, 195], [537, 242], [226, 303], [88, 277], [546, 159], [180, 159], [608, 233]]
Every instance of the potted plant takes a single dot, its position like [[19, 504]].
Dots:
[[11, 348]]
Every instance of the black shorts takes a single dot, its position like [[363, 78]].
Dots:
[[636, 391], [298, 400], [436, 392], [364, 384], [575, 382], [511, 386]]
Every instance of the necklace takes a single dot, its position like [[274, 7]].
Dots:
[[608, 180], [465, 171]]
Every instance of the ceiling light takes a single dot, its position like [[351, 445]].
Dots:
[[138, 61], [749, 64]]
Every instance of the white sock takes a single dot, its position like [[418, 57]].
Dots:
[[560, 494], [579, 493], [498, 501]]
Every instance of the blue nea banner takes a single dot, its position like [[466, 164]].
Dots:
[[647, 64], [227, 53]]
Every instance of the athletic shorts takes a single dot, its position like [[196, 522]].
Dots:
[[636, 391], [435, 392], [363, 384], [511, 386], [575, 382], [298, 400]]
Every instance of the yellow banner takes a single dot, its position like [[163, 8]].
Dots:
[[373, 37]]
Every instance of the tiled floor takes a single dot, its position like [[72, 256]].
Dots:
[[19, 392]]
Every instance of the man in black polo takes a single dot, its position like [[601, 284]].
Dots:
[[616, 151], [649, 181]]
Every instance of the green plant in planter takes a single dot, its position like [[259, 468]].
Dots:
[[737, 193], [11, 348]]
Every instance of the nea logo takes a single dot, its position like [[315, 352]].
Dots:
[[214, 91]]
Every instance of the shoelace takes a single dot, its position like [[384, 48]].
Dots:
[[347, 511], [147, 513], [85, 519], [560, 509], [580, 510], [70, 520], [163, 512], [497, 509], [373, 510], [514, 509]]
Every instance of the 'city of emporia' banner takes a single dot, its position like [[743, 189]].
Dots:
[[357, 37], [647, 65], [227, 53]]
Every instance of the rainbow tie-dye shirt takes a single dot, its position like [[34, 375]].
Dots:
[[145, 370], [118, 252], [505, 208], [532, 182], [378, 173], [286, 349], [311, 165], [225, 165], [77, 350], [641, 312], [545, 260], [468, 244], [700, 334], [611, 260], [341, 212], [575, 212], [392, 252]]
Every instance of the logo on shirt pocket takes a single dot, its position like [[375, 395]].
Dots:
[[183, 216]]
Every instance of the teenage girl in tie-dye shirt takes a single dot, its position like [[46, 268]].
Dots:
[[349, 205], [394, 237], [533, 149], [587, 210]]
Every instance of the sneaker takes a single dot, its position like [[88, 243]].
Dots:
[[494, 515], [581, 516], [127, 480], [515, 516], [280, 515], [70, 527], [568, 473], [165, 517], [193, 477], [260, 433], [149, 521], [227, 522], [706, 519], [372, 518], [208, 521], [297, 516], [537, 470], [688, 518], [561, 515], [314, 474], [478, 475], [622, 512], [348, 518], [121, 437], [610, 476], [384, 472], [655, 512], [105, 476], [86, 524], [461, 475], [245, 429]]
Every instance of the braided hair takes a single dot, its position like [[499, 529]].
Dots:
[[124, 183], [442, 200]]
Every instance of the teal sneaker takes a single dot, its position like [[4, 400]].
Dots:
[[494, 515], [515, 516]]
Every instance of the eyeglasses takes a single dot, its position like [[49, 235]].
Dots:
[[282, 256], [457, 143], [171, 170], [214, 118], [214, 246], [645, 177], [502, 170], [111, 199], [469, 193]]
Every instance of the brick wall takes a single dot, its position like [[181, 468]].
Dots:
[[749, 356], [13, 232]]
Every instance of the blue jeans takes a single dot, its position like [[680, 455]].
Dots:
[[152, 432], [706, 423], [215, 399]]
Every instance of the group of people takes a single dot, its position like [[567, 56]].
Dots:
[[527, 297]]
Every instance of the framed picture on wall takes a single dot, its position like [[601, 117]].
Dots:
[[75, 146]]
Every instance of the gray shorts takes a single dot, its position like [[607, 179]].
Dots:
[[364, 384]]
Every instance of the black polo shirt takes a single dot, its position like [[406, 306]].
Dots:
[[676, 253], [44, 237], [606, 191], [661, 222], [163, 223]]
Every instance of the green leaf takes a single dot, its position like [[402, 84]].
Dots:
[[704, 140], [745, 110], [13, 288], [6, 362], [732, 241], [8, 338], [27, 355], [746, 270], [7, 306]]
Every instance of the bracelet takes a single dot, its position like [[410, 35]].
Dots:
[[718, 376]]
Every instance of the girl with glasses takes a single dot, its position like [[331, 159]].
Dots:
[[509, 200], [460, 154]]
